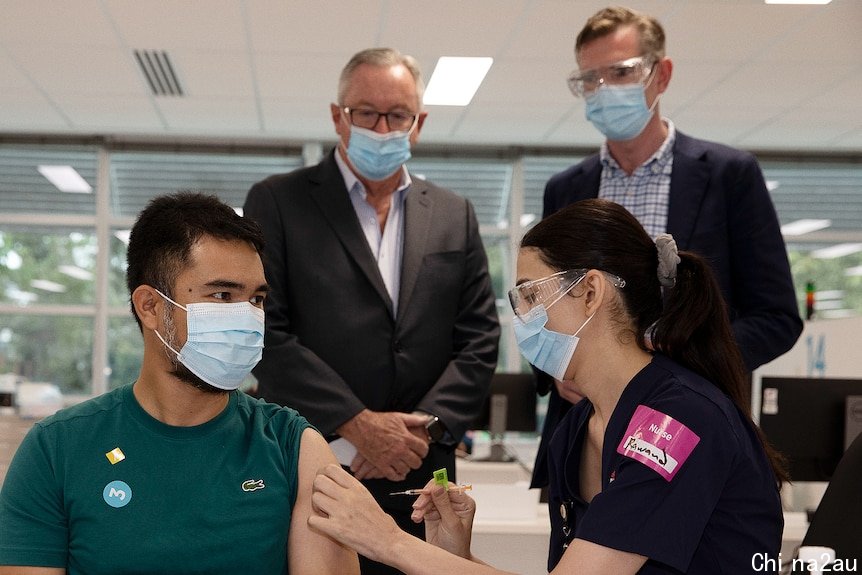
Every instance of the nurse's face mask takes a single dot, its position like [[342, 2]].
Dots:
[[224, 341], [547, 350]]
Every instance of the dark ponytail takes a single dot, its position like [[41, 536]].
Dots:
[[694, 330], [691, 325]]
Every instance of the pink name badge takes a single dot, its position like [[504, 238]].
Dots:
[[658, 441]]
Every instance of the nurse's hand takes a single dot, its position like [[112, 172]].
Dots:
[[448, 517], [345, 511]]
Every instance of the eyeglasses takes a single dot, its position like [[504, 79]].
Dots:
[[548, 291], [366, 118], [585, 83]]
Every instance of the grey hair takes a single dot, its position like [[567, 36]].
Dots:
[[381, 58]]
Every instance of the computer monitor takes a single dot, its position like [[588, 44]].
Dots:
[[510, 406], [804, 418]]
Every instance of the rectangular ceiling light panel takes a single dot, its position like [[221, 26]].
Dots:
[[455, 80]]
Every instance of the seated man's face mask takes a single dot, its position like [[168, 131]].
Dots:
[[224, 341]]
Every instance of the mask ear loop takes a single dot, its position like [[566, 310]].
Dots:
[[584, 324], [346, 118], [182, 307], [167, 345], [415, 123], [653, 73], [158, 335]]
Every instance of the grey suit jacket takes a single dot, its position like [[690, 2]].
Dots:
[[332, 345]]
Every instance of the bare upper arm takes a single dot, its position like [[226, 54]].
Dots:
[[587, 557], [310, 552], [12, 570]]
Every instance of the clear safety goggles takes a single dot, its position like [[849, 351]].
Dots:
[[547, 291], [585, 83]]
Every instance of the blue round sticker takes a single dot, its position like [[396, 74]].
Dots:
[[117, 494]]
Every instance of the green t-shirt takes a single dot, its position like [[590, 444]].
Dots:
[[102, 487]]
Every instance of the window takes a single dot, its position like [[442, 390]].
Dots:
[[64, 307], [54, 325]]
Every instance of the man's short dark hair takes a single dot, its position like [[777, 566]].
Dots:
[[609, 20], [162, 238]]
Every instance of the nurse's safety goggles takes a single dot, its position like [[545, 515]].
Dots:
[[548, 291]]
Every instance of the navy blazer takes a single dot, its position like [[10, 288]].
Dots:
[[720, 209], [333, 346]]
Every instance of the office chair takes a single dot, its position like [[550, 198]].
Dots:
[[837, 523]]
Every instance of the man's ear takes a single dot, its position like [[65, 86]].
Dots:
[[665, 71], [146, 301], [420, 121], [339, 122]]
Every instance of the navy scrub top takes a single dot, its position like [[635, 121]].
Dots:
[[685, 480]]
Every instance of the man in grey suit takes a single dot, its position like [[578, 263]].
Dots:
[[381, 324]]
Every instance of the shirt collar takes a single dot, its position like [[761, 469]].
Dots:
[[352, 182], [661, 157]]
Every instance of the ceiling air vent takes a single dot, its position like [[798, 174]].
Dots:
[[157, 69]]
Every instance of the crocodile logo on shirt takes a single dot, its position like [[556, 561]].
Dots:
[[252, 484]]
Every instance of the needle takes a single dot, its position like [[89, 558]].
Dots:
[[459, 488]]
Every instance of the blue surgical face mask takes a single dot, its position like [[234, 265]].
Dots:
[[547, 350], [620, 112], [377, 156], [224, 343]]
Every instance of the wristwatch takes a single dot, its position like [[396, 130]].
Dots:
[[435, 429]]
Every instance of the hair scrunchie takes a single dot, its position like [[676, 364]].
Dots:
[[668, 258]]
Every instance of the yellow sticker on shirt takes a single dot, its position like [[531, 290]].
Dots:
[[115, 455]]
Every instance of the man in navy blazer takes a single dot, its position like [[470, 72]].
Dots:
[[381, 322], [712, 198]]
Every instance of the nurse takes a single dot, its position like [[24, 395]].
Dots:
[[659, 469]]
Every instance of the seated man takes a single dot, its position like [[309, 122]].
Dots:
[[179, 471]]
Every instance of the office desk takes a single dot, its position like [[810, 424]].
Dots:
[[517, 546]]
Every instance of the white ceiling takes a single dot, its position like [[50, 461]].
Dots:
[[761, 77]]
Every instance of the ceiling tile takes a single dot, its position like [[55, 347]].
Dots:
[[111, 114], [213, 73], [206, 115], [312, 27], [82, 69], [26, 110], [52, 23], [199, 24], [745, 73]]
